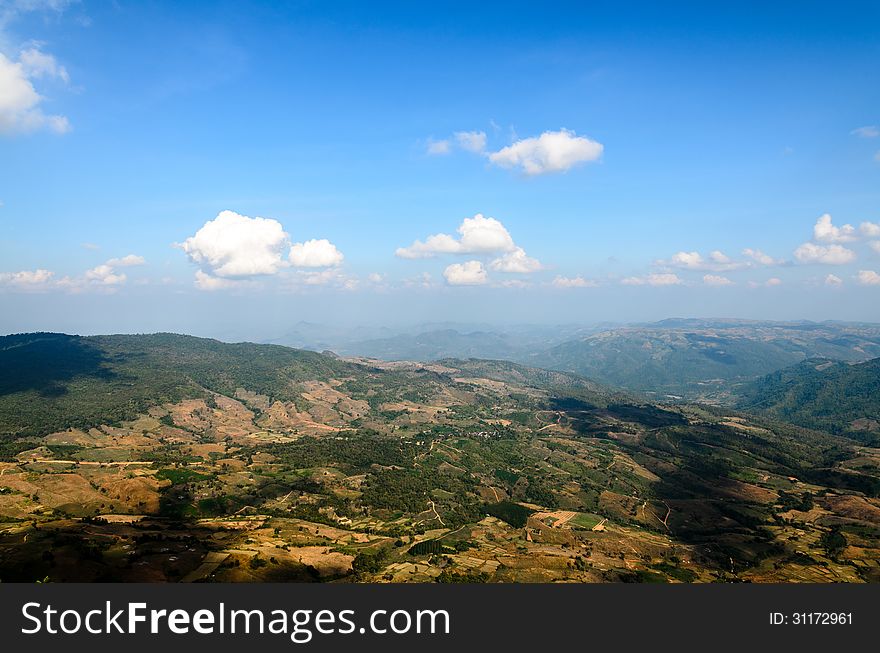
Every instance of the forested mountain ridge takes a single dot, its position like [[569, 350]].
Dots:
[[833, 396]]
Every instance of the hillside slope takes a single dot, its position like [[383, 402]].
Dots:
[[832, 396]]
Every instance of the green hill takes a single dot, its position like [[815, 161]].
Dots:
[[836, 397]]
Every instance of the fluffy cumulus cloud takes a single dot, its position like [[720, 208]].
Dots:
[[20, 104], [469, 273], [26, 279], [658, 279], [716, 280], [825, 255], [315, 254], [233, 245], [236, 247], [868, 278], [875, 245], [573, 282], [824, 231], [477, 235], [550, 152], [516, 261]]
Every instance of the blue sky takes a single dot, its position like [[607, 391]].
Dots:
[[668, 131]]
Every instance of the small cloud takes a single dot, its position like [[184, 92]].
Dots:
[[717, 261], [760, 257], [830, 255], [870, 229], [104, 275], [437, 148], [868, 278], [875, 245], [471, 141], [315, 254], [824, 231], [869, 131], [833, 280], [770, 283], [660, 279], [574, 282], [550, 152], [469, 273], [127, 261], [715, 280]]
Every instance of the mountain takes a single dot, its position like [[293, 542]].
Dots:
[[171, 458], [704, 359], [832, 396]]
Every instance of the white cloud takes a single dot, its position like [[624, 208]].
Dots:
[[824, 231], [830, 255], [20, 110], [516, 261], [717, 261], [550, 152], [715, 280], [469, 273], [105, 275], [773, 281], [438, 147], [574, 282], [38, 64], [376, 277], [26, 279], [233, 245], [315, 254], [833, 280], [875, 245], [477, 235], [471, 141], [869, 131], [127, 261], [870, 229], [868, 278], [661, 279], [760, 257]]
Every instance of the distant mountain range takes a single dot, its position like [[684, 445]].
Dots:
[[676, 358]]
